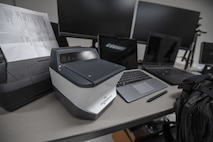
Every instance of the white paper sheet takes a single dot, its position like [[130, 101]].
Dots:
[[25, 34]]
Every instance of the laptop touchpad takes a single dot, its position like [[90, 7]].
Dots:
[[140, 89], [143, 87]]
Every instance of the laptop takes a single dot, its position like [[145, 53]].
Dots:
[[159, 58], [122, 51], [134, 83], [206, 58], [206, 53]]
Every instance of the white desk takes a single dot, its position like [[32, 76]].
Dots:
[[46, 119]]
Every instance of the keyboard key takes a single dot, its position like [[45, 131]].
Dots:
[[132, 76]]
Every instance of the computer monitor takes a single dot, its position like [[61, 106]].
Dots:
[[206, 53], [161, 49], [62, 41], [152, 17], [119, 50], [88, 18]]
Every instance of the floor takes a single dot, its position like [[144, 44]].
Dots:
[[154, 138], [105, 138], [160, 138], [108, 138]]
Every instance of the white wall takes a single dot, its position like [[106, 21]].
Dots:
[[204, 6]]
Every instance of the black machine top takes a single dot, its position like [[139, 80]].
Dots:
[[82, 66]]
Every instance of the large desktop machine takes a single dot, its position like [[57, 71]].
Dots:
[[25, 45], [84, 83], [22, 82]]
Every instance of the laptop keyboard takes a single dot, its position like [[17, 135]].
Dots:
[[172, 76], [132, 76], [166, 71]]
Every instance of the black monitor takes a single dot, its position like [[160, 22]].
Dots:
[[119, 50], [62, 41], [88, 18], [206, 53], [152, 17]]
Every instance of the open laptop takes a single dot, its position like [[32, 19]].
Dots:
[[159, 58], [134, 83], [206, 58], [206, 52], [118, 50]]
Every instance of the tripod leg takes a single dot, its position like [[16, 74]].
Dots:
[[184, 56], [187, 60]]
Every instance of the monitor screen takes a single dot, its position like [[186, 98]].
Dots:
[[88, 18], [161, 49], [122, 51], [164, 19], [206, 53], [62, 41]]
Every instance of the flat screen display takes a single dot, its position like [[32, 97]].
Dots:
[[164, 19], [161, 49], [206, 53], [88, 18], [122, 51]]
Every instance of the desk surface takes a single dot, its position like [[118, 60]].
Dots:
[[46, 119]]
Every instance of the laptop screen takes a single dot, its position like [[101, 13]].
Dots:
[[122, 51], [206, 53], [161, 49]]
